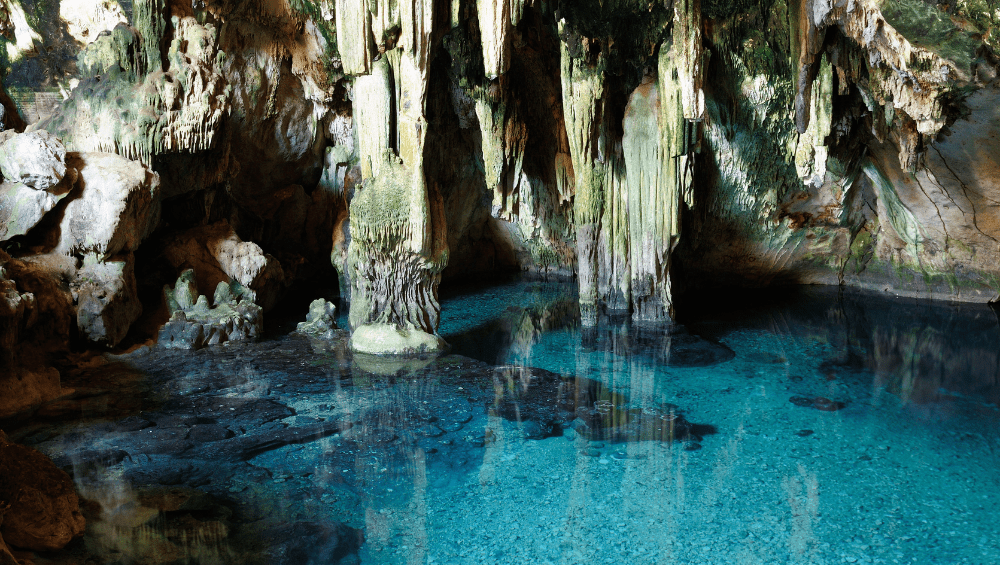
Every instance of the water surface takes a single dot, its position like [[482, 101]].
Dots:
[[793, 427]]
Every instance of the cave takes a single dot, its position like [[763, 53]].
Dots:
[[499, 281]]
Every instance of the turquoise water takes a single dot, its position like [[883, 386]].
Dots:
[[799, 426]]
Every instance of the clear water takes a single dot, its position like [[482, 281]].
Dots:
[[797, 427]]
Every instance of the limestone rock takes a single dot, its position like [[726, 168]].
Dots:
[[497, 20], [86, 20], [21, 208], [395, 259], [127, 103], [108, 301], [34, 318], [36, 159], [354, 26], [118, 206], [195, 324], [386, 339], [217, 255], [320, 321], [44, 513], [374, 93]]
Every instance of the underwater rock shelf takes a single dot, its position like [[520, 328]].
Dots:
[[210, 426]]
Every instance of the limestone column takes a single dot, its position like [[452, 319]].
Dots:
[[398, 246]]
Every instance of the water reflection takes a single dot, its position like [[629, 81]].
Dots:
[[561, 444], [922, 351]]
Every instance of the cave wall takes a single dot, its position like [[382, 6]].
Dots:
[[640, 147]]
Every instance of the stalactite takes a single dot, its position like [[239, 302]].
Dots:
[[583, 105], [497, 19], [354, 34], [375, 114]]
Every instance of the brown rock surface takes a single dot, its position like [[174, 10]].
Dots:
[[44, 513], [35, 317], [217, 254]]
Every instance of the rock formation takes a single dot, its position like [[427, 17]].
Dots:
[[35, 317], [194, 323], [321, 320], [39, 508], [644, 148]]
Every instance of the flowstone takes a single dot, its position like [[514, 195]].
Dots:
[[395, 263]]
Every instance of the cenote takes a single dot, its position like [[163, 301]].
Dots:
[[795, 426]]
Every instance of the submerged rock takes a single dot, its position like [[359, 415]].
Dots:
[[44, 513], [817, 402], [670, 345], [591, 409]]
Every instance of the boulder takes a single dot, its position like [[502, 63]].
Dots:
[[108, 301], [320, 321], [21, 207], [44, 513], [117, 207], [36, 159], [217, 255]]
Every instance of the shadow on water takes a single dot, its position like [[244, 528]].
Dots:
[[919, 350], [513, 333]]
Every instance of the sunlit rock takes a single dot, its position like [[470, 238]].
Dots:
[[21, 208], [35, 159], [86, 19], [117, 207], [128, 103]]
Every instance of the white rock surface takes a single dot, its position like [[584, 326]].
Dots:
[[118, 205], [108, 300], [36, 159], [21, 208]]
